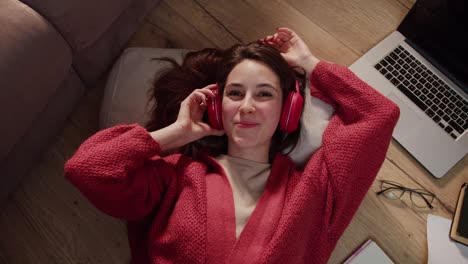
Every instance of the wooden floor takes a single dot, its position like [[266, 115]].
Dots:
[[49, 221]]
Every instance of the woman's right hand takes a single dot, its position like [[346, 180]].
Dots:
[[189, 125], [191, 114]]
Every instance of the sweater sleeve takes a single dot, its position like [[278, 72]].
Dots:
[[117, 171], [355, 142]]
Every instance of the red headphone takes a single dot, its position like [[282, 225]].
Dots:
[[290, 115]]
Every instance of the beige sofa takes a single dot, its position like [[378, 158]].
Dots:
[[51, 51]]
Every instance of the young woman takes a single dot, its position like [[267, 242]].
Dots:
[[241, 201]]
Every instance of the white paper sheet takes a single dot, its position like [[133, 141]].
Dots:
[[441, 249], [369, 253]]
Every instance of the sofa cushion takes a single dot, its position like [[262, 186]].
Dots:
[[92, 61], [45, 127], [81, 22], [126, 98], [34, 61]]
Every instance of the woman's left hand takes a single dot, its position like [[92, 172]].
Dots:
[[292, 48]]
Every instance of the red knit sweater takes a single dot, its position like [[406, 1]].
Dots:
[[181, 210]]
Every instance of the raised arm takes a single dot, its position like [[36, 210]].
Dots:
[[119, 170], [189, 125], [357, 137], [355, 141], [114, 170]]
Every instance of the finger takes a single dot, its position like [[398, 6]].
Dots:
[[275, 45], [291, 37], [199, 96], [272, 39], [195, 98], [276, 37], [281, 39], [209, 91], [284, 36], [285, 30], [210, 86], [263, 39]]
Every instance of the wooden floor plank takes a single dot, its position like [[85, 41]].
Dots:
[[50, 221], [148, 36], [376, 19], [178, 30], [19, 243], [206, 24], [377, 211], [407, 3], [263, 17], [57, 222], [69, 219]]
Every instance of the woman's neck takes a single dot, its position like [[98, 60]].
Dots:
[[256, 153]]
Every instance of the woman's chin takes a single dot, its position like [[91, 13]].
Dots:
[[243, 142]]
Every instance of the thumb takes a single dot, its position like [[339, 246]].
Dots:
[[212, 131], [216, 132], [288, 58]]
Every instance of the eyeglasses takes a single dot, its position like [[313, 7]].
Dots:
[[419, 197]]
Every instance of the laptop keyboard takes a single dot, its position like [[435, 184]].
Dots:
[[431, 94]]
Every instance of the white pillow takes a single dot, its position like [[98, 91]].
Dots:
[[314, 120], [126, 96]]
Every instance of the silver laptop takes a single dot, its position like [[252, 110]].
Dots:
[[423, 67]]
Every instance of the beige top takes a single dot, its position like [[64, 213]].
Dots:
[[248, 179]]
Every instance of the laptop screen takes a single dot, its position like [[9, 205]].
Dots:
[[438, 29]]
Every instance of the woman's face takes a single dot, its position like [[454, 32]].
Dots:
[[252, 102]]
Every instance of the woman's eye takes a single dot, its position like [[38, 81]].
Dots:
[[265, 94], [234, 93]]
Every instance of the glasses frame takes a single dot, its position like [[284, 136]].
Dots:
[[398, 186]]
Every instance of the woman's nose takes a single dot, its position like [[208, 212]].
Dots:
[[247, 106]]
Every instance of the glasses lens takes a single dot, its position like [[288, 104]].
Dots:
[[419, 198], [392, 190]]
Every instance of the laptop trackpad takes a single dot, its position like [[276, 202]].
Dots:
[[409, 121]]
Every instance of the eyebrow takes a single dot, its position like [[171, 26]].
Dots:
[[260, 85]]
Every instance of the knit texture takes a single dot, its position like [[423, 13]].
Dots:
[[164, 200]]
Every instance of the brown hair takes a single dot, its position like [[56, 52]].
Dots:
[[208, 66]]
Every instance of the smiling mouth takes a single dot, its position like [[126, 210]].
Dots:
[[245, 125]]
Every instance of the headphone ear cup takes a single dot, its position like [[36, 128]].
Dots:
[[291, 113], [214, 111]]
